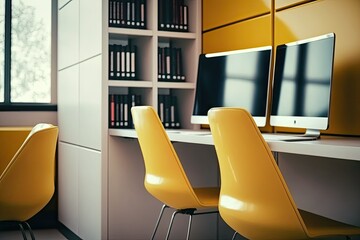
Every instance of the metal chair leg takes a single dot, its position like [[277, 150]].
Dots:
[[234, 236], [171, 223], [158, 221], [22, 231], [30, 230], [189, 227]]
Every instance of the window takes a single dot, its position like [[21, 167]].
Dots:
[[25, 53]]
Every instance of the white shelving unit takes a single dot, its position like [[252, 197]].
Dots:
[[101, 192], [147, 41]]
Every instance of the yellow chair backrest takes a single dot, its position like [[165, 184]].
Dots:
[[28, 181], [254, 199], [165, 178]]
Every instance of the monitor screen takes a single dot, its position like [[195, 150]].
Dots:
[[302, 83], [237, 78]]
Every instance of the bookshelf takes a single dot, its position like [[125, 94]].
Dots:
[[148, 41], [99, 167]]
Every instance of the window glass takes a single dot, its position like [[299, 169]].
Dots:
[[30, 51], [2, 47]]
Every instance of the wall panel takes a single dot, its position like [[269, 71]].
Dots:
[[289, 3], [217, 13], [342, 18], [247, 34]]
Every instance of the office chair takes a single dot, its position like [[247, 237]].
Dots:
[[28, 181], [165, 178], [254, 198]]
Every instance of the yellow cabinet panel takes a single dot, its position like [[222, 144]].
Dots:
[[218, 13], [342, 18], [288, 3], [247, 34]]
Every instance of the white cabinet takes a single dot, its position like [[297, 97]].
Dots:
[[68, 34], [68, 186], [80, 190], [61, 3], [90, 103], [80, 117], [90, 28], [89, 181], [68, 104]]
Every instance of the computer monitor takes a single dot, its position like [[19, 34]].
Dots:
[[302, 84], [238, 78]]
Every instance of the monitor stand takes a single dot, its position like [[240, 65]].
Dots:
[[309, 135]]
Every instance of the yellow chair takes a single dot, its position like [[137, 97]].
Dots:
[[165, 178], [254, 198], [28, 181]]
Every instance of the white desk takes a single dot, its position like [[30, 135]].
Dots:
[[321, 169], [347, 148]]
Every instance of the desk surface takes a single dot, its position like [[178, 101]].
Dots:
[[327, 146]]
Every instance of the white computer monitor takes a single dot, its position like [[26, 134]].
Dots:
[[302, 84], [238, 78]]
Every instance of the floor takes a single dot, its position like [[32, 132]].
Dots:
[[40, 234]]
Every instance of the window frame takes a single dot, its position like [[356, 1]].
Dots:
[[7, 105]]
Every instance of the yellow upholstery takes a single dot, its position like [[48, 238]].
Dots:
[[165, 177], [11, 139], [27, 182], [254, 198]]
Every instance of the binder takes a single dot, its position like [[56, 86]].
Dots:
[[127, 61], [167, 63], [117, 111], [123, 62], [120, 109], [160, 72], [173, 64], [135, 100], [117, 61], [111, 15], [126, 110], [161, 108], [142, 14], [127, 13], [133, 50], [111, 61], [111, 110]]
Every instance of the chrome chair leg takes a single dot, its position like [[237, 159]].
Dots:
[[234, 236], [170, 225], [22, 231], [158, 221], [30, 230], [189, 227]]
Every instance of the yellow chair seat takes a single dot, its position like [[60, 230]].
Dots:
[[165, 178], [27, 182], [254, 198]]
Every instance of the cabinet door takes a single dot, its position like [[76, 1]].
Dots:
[[68, 186], [90, 28], [342, 18], [218, 13], [287, 3], [255, 32], [90, 103], [68, 104], [61, 3], [89, 194], [68, 37]]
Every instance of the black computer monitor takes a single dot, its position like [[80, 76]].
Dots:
[[237, 78], [302, 84]]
